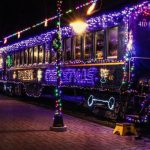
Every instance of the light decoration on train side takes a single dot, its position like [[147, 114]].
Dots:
[[130, 42], [39, 75], [9, 61], [110, 103], [104, 73], [129, 63], [14, 75], [146, 11], [74, 76], [103, 21], [26, 75]]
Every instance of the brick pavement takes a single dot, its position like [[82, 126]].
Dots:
[[26, 127]]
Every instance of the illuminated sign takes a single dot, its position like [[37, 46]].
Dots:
[[74, 76], [110, 103], [26, 75], [144, 23]]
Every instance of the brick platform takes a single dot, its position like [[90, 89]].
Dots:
[[26, 127]]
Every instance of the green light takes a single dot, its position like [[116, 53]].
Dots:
[[9, 61]]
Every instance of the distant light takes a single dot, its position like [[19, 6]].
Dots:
[[18, 34], [79, 26], [39, 75], [5, 40], [91, 8], [46, 23]]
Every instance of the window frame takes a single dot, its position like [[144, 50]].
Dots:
[[105, 44], [64, 47], [92, 49], [81, 47], [107, 51]]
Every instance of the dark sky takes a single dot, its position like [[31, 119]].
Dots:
[[16, 15]]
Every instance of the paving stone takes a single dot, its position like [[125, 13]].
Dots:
[[26, 127]]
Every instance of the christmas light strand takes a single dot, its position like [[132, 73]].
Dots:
[[45, 22], [100, 22]]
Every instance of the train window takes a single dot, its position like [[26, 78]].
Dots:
[[30, 55], [17, 58], [78, 47], [15, 53], [67, 46], [35, 54], [47, 52], [26, 56], [112, 43], [21, 57], [99, 38], [41, 53], [1, 61], [53, 55], [88, 46]]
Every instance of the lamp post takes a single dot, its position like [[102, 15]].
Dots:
[[79, 27], [58, 124]]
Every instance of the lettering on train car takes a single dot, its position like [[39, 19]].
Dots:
[[26, 75], [75, 76]]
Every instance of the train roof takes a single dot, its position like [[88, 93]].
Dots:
[[101, 20]]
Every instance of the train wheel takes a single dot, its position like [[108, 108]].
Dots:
[[33, 89]]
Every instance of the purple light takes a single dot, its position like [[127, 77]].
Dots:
[[73, 76], [100, 22]]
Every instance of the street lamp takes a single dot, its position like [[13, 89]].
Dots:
[[79, 26]]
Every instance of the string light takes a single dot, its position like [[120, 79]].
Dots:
[[58, 123], [91, 8], [45, 22], [5, 40], [18, 35]]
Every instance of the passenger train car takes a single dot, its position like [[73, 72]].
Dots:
[[106, 68]]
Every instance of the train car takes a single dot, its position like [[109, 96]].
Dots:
[[106, 68]]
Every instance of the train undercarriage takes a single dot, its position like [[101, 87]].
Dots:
[[114, 106]]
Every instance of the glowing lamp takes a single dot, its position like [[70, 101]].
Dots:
[[79, 26], [46, 23], [18, 33], [5, 40], [91, 8], [39, 75]]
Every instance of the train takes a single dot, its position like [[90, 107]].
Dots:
[[106, 69]]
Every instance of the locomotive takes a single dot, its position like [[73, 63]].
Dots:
[[106, 68]]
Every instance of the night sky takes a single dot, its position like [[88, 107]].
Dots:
[[16, 15]]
